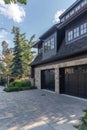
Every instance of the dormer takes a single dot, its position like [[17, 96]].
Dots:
[[47, 43]]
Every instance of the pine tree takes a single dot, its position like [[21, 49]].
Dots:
[[17, 69], [15, 1]]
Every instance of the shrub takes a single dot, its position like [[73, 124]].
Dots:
[[83, 126], [19, 85]]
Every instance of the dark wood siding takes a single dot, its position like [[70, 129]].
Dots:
[[48, 79], [74, 81]]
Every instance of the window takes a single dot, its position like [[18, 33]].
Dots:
[[70, 35], [49, 46], [83, 3], [40, 50], [52, 43], [69, 70], [67, 16], [76, 32], [45, 47], [83, 28], [72, 12], [62, 20], [77, 7]]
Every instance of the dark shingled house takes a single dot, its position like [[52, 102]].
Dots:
[[61, 63]]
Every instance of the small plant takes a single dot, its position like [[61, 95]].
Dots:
[[83, 125]]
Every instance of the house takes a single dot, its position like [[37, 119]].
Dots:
[[61, 63]]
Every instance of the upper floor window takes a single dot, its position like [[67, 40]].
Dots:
[[72, 12], [49, 44], [62, 20], [52, 43], [76, 32], [67, 16], [83, 2], [77, 7], [70, 35], [40, 50], [45, 47], [83, 28]]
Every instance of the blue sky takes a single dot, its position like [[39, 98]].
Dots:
[[34, 18]]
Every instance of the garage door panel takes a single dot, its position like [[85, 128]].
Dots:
[[48, 79], [76, 81]]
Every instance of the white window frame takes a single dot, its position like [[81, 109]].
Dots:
[[83, 3], [83, 28], [70, 35], [76, 32], [52, 43]]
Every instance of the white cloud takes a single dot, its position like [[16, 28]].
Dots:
[[3, 34], [57, 14], [12, 11]]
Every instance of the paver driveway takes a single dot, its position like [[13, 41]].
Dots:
[[39, 110]]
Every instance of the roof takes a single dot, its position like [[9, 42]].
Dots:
[[77, 16], [64, 51], [37, 59], [37, 43], [70, 7], [49, 31]]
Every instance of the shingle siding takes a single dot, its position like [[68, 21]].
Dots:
[[76, 46]]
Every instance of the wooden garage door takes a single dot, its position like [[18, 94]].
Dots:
[[76, 81], [48, 79]]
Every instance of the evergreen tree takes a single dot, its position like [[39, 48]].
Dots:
[[27, 53], [15, 1], [17, 69], [7, 54]]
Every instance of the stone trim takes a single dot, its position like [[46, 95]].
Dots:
[[56, 67]]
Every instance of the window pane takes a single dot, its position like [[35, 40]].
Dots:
[[45, 47], [72, 12], [83, 28], [77, 8], [76, 32], [67, 16], [52, 43], [83, 3], [70, 35], [49, 46]]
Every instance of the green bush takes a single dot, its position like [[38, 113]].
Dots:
[[19, 85], [83, 126]]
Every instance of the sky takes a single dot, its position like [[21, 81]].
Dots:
[[34, 18]]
